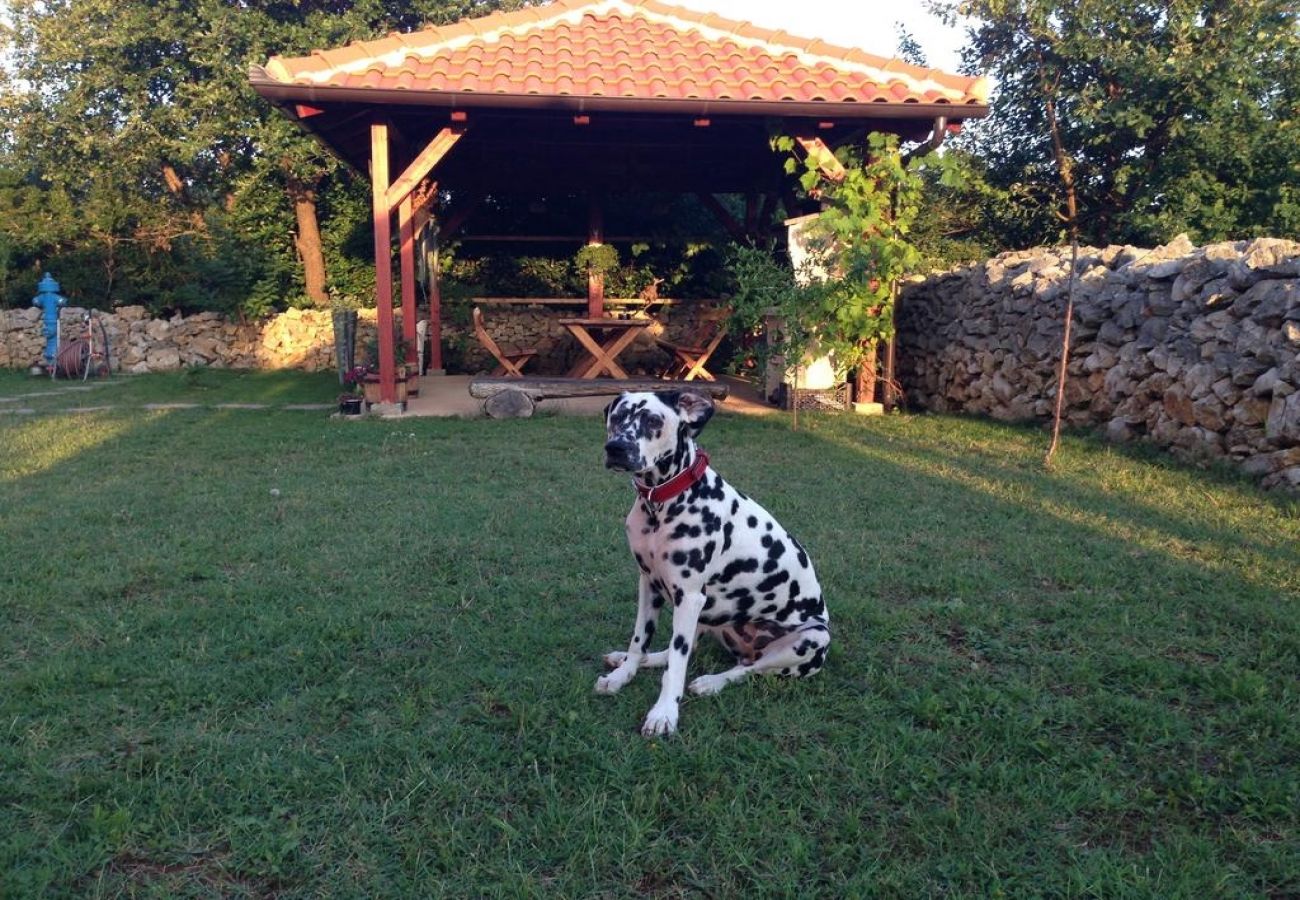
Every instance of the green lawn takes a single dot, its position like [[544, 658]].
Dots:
[[255, 652]]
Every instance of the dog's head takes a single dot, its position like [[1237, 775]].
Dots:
[[650, 431]]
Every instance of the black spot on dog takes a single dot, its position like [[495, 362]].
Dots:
[[681, 645], [800, 553], [726, 536], [735, 505], [770, 582], [775, 549], [684, 530], [766, 540], [736, 567], [650, 627], [752, 521]]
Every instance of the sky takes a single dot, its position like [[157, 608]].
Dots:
[[866, 24]]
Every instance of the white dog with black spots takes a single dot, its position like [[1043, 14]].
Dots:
[[718, 557]]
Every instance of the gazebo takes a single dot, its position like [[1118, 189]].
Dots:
[[590, 96]]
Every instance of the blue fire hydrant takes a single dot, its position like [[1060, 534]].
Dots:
[[50, 301]]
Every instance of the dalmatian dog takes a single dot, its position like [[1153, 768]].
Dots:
[[720, 559]]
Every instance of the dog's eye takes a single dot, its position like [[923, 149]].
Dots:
[[655, 421]]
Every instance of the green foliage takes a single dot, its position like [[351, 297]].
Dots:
[[596, 259], [860, 246], [1178, 116], [139, 166]]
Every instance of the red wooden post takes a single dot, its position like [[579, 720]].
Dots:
[[595, 280], [383, 260], [406, 243]]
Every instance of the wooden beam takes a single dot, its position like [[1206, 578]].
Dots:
[[823, 157], [723, 215], [423, 164], [542, 388], [452, 223], [383, 224]]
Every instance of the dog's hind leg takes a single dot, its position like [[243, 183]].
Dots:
[[798, 653]]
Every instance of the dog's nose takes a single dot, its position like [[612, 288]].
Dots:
[[617, 451]]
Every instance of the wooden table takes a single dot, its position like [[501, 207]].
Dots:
[[618, 334]]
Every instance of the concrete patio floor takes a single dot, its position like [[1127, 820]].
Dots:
[[448, 395]]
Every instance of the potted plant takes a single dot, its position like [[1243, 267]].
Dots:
[[352, 399]]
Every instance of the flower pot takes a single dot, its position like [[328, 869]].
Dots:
[[350, 406]]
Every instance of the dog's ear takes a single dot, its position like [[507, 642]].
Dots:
[[695, 410]]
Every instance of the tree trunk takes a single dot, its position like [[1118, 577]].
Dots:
[[307, 240]]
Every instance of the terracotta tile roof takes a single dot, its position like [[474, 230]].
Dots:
[[633, 49]]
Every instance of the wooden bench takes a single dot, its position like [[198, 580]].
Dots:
[[511, 398]]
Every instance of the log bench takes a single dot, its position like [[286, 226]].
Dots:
[[516, 398]]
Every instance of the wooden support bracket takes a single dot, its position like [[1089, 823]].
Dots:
[[422, 165], [823, 157]]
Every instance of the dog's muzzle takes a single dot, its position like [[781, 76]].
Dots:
[[621, 455]]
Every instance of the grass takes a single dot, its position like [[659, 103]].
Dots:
[[205, 387], [250, 653]]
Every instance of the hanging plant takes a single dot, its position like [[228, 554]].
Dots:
[[596, 259]]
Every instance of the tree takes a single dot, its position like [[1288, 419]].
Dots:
[[1177, 115], [176, 184]]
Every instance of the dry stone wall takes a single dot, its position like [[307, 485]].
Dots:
[[295, 339], [1194, 349], [304, 339]]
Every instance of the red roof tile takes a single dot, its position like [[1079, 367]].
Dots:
[[635, 49]]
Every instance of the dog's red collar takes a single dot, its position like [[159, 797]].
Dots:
[[678, 484]]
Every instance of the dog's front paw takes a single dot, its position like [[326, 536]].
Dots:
[[615, 658], [661, 720]]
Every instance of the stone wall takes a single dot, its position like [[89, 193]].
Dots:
[[296, 339], [304, 338], [1196, 350]]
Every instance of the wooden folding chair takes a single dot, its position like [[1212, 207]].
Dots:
[[690, 356], [511, 359]]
